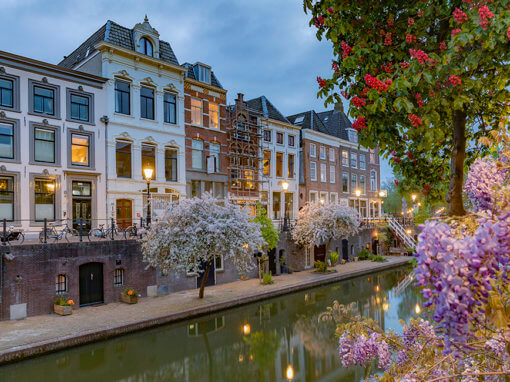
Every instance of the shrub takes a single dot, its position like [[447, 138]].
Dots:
[[378, 259], [364, 254], [63, 301], [321, 266], [333, 256], [130, 291], [267, 279]]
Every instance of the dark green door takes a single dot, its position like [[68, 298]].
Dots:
[[91, 284]]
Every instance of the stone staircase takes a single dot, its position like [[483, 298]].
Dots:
[[401, 233]]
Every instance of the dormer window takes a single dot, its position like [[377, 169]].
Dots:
[[145, 47], [203, 74], [352, 135]]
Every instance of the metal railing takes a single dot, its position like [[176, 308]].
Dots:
[[401, 233]]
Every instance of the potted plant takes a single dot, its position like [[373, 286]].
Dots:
[[333, 256], [63, 306], [129, 296]]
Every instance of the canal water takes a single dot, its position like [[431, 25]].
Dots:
[[270, 340]]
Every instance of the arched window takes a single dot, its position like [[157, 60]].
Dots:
[[61, 284], [145, 46]]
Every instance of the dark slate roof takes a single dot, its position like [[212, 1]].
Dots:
[[336, 122], [310, 121], [191, 74], [118, 35], [263, 105]]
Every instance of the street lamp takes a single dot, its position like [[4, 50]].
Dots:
[[285, 186], [148, 176], [413, 197]]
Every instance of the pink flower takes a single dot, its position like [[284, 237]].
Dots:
[[330, 10], [321, 19], [459, 16], [420, 13], [419, 100], [346, 48], [410, 155], [508, 33], [404, 65], [322, 83], [358, 102], [410, 38], [335, 67], [455, 31], [410, 22], [387, 39], [420, 55], [454, 80], [485, 15], [442, 46]]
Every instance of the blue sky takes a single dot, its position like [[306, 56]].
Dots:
[[262, 47]]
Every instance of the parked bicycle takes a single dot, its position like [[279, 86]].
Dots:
[[99, 233], [13, 235], [53, 233], [131, 232]]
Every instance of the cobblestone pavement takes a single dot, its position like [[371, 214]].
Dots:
[[51, 328]]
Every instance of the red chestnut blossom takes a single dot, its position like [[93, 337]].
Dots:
[[410, 155], [410, 38], [404, 65], [396, 182], [388, 81], [427, 187], [425, 193], [344, 94], [396, 160], [410, 22], [335, 67], [359, 124], [420, 55], [455, 31], [387, 68], [419, 100], [330, 10], [415, 120], [420, 13], [347, 49], [375, 83], [387, 39], [322, 83], [358, 102], [442, 46], [485, 15], [321, 19], [454, 80], [459, 16]]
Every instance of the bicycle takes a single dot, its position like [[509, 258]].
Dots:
[[53, 233], [15, 235], [99, 233], [132, 232]]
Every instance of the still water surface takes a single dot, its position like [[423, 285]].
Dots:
[[256, 342]]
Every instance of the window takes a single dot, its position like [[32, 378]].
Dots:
[[248, 176], [279, 165], [372, 155], [171, 165], [279, 138], [147, 103], [79, 108], [313, 171], [331, 155], [6, 93], [333, 198], [44, 100], [149, 159], [276, 205], [219, 189], [218, 263], [313, 152], [61, 284], [196, 111], [214, 117], [373, 181], [324, 197], [345, 158], [145, 47], [196, 189], [322, 152], [44, 145], [263, 201], [362, 162], [267, 135], [362, 184], [118, 277], [202, 73], [332, 178], [80, 149], [323, 173], [123, 159], [289, 205], [352, 136], [170, 108], [354, 182], [290, 166], [234, 176], [291, 140], [197, 154], [267, 162], [122, 97], [7, 197], [313, 196], [6, 141], [44, 192], [354, 160], [214, 152], [345, 182], [299, 119]]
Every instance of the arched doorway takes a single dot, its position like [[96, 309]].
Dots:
[[320, 253], [91, 284], [345, 249]]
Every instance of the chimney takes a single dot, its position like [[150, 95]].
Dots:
[[240, 97], [339, 106]]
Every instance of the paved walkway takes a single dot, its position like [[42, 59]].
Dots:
[[50, 332]]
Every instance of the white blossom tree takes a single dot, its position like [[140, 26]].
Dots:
[[195, 231], [321, 223]]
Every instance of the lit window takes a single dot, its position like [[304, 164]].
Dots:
[[345, 158], [61, 284], [118, 277], [44, 196], [196, 111], [145, 47], [313, 197], [248, 176], [80, 149], [267, 162], [213, 115], [7, 198], [323, 173], [279, 165], [149, 159]]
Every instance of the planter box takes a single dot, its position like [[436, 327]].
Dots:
[[133, 299], [63, 310]]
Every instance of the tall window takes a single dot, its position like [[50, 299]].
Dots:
[[145, 47], [373, 181], [44, 196], [331, 155], [267, 135], [313, 171], [372, 155], [333, 198], [123, 159], [234, 176], [7, 197], [44, 100], [323, 173], [122, 97], [196, 111], [354, 160], [362, 184], [197, 154], [267, 162], [6, 141], [170, 108], [44, 145], [214, 115], [322, 152], [80, 149], [289, 205], [248, 176], [279, 165], [6, 92], [290, 166], [277, 205], [279, 138], [291, 140], [118, 277], [171, 165], [313, 152], [149, 159], [313, 196], [214, 151], [362, 162], [61, 284], [79, 108], [147, 103], [345, 158], [204, 74], [332, 174], [345, 182], [354, 182]]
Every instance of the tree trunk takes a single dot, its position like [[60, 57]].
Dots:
[[204, 280], [326, 251], [454, 197]]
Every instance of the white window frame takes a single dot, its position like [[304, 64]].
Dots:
[[364, 186], [222, 268], [323, 196], [332, 177], [324, 175], [354, 176], [313, 150], [345, 158], [364, 162], [335, 197], [313, 171], [331, 154], [373, 185], [316, 197], [196, 149], [354, 160], [348, 182], [322, 152], [276, 138], [193, 108], [214, 115]]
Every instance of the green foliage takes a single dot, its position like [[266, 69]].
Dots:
[[393, 202], [363, 254], [63, 301], [128, 290], [378, 259], [270, 234], [321, 266], [333, 257], [422, 214], [267, 279]]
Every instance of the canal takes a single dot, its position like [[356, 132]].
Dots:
[[266, 341]]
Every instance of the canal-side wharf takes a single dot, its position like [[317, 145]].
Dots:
[[47, 333]]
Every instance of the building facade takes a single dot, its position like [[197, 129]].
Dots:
[[52, 159], [145, 110]]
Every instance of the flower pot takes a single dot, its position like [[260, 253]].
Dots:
[[63, 310], [133, 299]]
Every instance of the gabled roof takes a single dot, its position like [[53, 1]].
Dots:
[[263, 105], [118, 35], [336, 122], [191, 74], [308, 120]]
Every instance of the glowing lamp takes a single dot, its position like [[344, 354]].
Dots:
[[148, 173], [289, 373]]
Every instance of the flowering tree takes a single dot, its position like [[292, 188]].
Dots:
[[463, 271], [321, 223], [195, 231], [424, 78]]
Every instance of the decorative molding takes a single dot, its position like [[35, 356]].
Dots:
[[172, 142], [3, 168], [2, 114], [150, 139], [80, 88], [2, 69], [149, 81], [80, 128], [45, 172], [171, 87], [45, 121], [124, 74], [125, 135], [45, 80]]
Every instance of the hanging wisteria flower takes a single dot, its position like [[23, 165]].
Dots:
[[483, 176]]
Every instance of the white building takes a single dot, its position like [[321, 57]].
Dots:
[[52, 139], [144, 102]]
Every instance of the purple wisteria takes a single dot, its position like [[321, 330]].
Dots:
[[483, 175], [364, 350]]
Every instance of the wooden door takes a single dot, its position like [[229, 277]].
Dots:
[[124, 213], [91, 283], [320, 253]]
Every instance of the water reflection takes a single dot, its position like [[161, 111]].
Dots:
[[277, 340]]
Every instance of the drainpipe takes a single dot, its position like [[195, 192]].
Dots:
[[105, 120]]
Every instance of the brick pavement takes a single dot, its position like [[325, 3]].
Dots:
[[40, 334]]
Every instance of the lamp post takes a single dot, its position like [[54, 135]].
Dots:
[[357, 192], [148, 176], [285, 186]]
